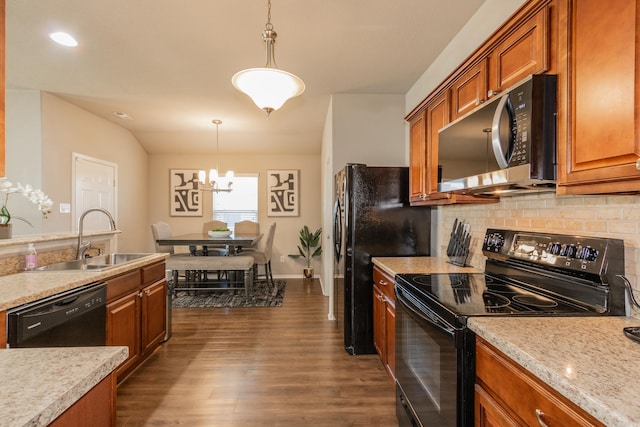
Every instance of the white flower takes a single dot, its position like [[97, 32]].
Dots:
[[37, 197]]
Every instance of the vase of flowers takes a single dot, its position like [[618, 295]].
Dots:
[[37, 197]]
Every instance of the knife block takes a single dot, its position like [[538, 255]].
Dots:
[[460, 261], [458, 249]]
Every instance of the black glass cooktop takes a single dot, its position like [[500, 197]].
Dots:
[[463, 294]]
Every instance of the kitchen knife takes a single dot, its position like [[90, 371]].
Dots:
[[452, 238]]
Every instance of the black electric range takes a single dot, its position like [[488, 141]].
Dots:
[[529, 274], [526, 274]]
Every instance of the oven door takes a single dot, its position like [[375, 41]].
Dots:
[[434, 371]]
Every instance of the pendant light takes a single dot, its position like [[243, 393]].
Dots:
[[268, 87], [216, 183]]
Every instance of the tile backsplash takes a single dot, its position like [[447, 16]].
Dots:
[[600, 216]]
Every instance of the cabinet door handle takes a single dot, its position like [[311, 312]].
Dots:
[[491, 93], [638, 164], [382, 282], [539, 416], [140, 294]]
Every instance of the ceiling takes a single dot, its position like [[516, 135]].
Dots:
[[168, 64]]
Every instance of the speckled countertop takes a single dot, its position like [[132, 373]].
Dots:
[[427, 265], [38, 385], [588, 360], [18, 289]]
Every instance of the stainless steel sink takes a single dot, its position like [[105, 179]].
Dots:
[[97, 263]]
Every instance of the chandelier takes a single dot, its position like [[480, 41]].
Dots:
[[268, 87], [216, 183]]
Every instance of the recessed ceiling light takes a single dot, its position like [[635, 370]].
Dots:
[[64, 39], [122, 115]]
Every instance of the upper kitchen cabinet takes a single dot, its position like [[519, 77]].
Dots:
[[469, 90], [523, 51], [521, 47], [602, 151], [417, 158]]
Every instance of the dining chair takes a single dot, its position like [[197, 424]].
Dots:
[[220, 250], [209, 225], [248, 227], [263, 258], [162, 230]]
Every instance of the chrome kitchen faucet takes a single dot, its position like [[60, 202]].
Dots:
[[81, 249]]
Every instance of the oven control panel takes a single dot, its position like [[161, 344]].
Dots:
[[566, 251]]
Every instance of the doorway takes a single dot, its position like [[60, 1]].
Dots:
[[94, 186]]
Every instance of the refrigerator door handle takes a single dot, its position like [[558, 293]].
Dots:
[[337, 231]]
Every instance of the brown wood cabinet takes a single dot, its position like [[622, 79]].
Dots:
[[3, 329], [417, 158], [508, 395], [97, 408], [384, 320], [524, 51], [602, 154], [519, 48], [136, 313], [469, 90]]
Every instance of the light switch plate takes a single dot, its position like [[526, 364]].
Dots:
[[65, 208]]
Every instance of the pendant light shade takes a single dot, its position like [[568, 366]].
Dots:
[[268, 87]]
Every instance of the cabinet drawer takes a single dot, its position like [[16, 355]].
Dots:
[[385, 284], [121, 285], [523, 394], [153, 273]]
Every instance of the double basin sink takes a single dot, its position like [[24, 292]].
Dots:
[[96, 263]]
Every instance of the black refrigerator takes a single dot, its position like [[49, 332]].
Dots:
[[372, 218]]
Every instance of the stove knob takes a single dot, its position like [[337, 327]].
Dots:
[[590, 254], [555, 248]]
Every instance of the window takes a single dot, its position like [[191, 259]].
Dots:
[[240, 204]]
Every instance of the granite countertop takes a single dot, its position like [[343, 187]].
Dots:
[[21, 288], [39, 384], [586, 359], [424, 264]]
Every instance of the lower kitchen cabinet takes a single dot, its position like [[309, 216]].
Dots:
[[508, 395], [384, 320], [136, 314], [123, 328], [97, 408]]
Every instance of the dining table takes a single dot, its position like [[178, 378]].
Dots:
[[235, 241]]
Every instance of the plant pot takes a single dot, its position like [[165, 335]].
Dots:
[[6, 231], [308, 272]]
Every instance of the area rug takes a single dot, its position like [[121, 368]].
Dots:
[[261, 294]]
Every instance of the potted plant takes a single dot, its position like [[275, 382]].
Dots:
[[308, 248]]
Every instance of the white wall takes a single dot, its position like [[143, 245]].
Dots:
[[489, 17], [367, 128], [54, 129], [359, 128], [24, 154]]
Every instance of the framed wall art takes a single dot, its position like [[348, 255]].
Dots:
[[282, 193], [184, 193]]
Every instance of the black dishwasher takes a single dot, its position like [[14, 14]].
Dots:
[[75, 318]]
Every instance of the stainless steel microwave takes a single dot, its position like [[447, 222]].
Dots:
[[504, 146]]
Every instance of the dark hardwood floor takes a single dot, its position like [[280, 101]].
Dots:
[[283, 366]]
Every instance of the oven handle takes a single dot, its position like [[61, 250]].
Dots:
[[423, 312]]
